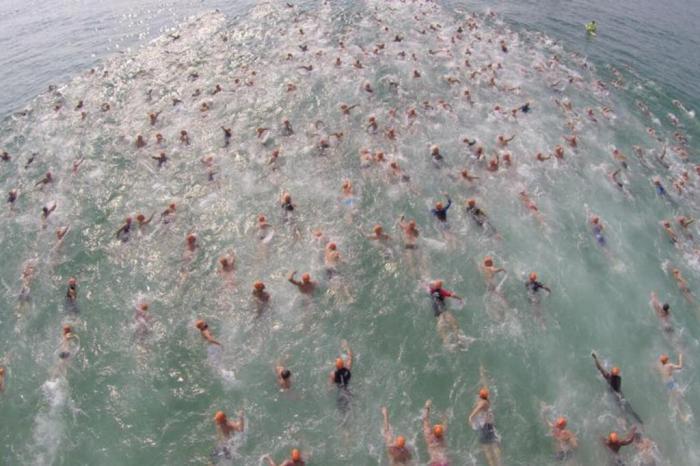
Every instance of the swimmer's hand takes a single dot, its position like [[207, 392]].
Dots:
[[595, 356], [428, 404]]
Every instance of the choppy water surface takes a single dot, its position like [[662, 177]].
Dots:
[[139, 391]]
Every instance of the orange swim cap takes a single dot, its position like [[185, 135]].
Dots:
[[484, 393], [561, 422], [261, 218], [67, 329], [332, 246], [613, 438], [488, 260], [339, 363], [200, 324], [72, 281], [663, 359], [438, 430], [296, 455], [437, 284], [306, 277], [220, 417], [144, 306], [377, 228], [471, 202], [615, 371], [400, 441], [258, 285], [438, 205], [533, 276]]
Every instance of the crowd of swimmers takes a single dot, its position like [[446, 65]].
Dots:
[[481, 418]]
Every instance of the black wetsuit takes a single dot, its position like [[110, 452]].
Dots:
[[288, 206], [441, 214], [535, 286], [477, 215], [342, 377]]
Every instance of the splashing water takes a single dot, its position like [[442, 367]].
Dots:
[[144, 387]]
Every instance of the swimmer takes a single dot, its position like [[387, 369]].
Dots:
[[284, 377], [597, 228], [378, 234], [434, 438], [68, 341], [123, 231], [259, 293], [620, 157], [660, 190], [225, 428], [72, 291], [666, 225], [533, 286], [12, 197], [287, 129], [168, 214], [340, 376], [184, 137], [305, 286], [161, 159], [331, 257], [203, 328], [466, 176], [46, 211], [663, 312], [540, 157], [440, 210], [438, 295], [615, 181], [489, 271], [153, 117], [347, 195], [682, 284], [160, 140], [294, 458], [666, 368], [396, 448], [558, 152], [2, 379], [481, 419], [436, 155], [503, 141], [614, 443], [685, 222], [345, 108], [191, 243], [410, 233], [531, 206], [614, 380], [143, 221], [566, 441], [48, 178], [286, 202], [263, 227], [396, 173], [140, 142], [571, 140], [477, 214]]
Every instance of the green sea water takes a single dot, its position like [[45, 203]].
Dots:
[[127, 398]]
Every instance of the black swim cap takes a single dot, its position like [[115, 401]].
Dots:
[[286, 374], [666, 307]]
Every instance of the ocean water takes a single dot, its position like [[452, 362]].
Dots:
[[145, 392]]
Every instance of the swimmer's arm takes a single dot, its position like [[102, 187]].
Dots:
[[547, 288], [678, 366], [474, 412], [426, 420], [630, 437], [346, 347], [386, 429], [292, 280], [268, 460], [239, 425], [449, 202], [598, 366]]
